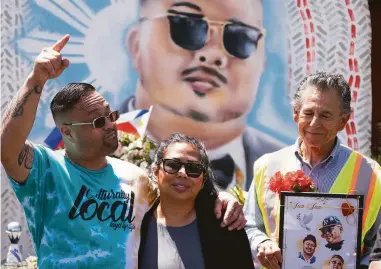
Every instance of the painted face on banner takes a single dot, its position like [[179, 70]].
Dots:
[[333, 234], [309, 247], [205, 70], [336, 263]]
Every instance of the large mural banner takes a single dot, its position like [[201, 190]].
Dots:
[[222, 71]]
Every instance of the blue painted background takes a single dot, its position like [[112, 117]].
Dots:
[[271, 112]]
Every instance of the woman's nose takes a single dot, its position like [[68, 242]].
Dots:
[[182, 171]]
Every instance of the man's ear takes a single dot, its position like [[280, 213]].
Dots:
[[295, 114], [133, 46], [344, 121], [66, 132]]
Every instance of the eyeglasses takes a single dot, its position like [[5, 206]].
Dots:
[[192, 33], [328, 229], [172, 166], [99, 122]]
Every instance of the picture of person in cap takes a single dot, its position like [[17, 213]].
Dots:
[[309, 246], [336, 262], [332, 231]]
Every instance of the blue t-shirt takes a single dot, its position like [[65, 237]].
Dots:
[[81, 218]]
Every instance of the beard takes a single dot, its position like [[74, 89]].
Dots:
[[200, 116], [222, 116], [110, 145]]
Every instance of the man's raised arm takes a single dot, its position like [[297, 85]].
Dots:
[[17, 121]]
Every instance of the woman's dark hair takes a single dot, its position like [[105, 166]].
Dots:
[[324, 81], [208, 193]]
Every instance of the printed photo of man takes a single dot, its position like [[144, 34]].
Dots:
[[336, 262], [309, 246], [332, 231], [200, 63]]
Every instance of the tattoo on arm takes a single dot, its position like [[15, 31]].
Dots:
[[19, 108], [26, 156]]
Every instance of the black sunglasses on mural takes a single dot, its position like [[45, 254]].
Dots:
[[192, 33]]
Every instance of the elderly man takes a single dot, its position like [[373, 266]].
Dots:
[[208, 56], [84, 209], [321, 109]]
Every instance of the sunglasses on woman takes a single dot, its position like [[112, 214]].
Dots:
[[172, 166], [192, 33], [99, 122]]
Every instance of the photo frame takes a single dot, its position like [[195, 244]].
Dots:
[[320, 230]]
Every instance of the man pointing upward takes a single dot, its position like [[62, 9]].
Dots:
[[83, 208]]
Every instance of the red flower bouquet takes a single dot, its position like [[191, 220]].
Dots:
[[292, 181]]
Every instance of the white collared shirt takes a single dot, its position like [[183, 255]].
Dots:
[[236, 151]]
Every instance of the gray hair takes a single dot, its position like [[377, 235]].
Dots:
[[324, 81]]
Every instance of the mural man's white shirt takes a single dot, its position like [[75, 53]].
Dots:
[[235, 149]]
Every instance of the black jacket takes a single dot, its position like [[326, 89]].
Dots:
[[221, 248]]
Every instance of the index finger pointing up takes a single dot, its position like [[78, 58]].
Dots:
[[60, 44]]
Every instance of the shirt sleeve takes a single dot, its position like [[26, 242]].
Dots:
[[255, 227], [375, 255], [30, 193], [372, 246]]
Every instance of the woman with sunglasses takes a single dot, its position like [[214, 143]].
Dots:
[[181, 230]]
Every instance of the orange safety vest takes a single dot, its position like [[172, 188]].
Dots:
[[359, 175]]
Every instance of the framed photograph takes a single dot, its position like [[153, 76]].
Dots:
[[320, 230]]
